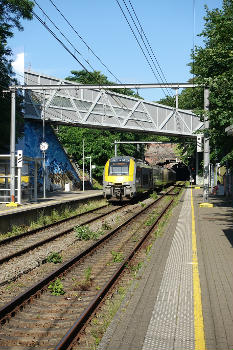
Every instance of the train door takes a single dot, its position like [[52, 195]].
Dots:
[[138, 178]]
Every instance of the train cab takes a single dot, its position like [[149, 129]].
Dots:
[[118, 179]]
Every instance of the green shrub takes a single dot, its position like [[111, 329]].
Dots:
[[56, 287], [83, 233], [154, 195], [117, 256], [54, 258]]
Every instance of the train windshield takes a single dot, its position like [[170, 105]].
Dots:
[[118, 168]]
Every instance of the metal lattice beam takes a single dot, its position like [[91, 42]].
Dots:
[[74, 104]]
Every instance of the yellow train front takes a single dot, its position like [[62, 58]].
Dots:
[[124, 178]]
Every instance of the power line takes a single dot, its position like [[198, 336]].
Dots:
[[138, 42], [89, 48], [148, 43], [63, 34], [136, 38]]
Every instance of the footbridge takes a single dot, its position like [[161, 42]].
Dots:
[[63, 102]]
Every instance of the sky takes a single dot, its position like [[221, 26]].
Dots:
[[171, 27]]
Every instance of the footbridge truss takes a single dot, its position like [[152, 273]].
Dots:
[[66, 103]]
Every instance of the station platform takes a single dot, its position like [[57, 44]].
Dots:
[[183, 297], [54, 200]]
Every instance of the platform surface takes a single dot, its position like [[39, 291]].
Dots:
[[167, 309], [51, 199]]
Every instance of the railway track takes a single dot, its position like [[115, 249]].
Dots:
[[37, 319], [25, 242]]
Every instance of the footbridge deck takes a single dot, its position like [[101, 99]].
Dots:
[[62, 102]]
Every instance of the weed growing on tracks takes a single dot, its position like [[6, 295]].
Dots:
[[84, 233], [55, 216], [117, 256], [56, 287], [148, 248], [106, 226], [154, 195], [136, 268], [54, 258], [85, 284]]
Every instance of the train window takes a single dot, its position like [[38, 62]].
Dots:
[[119, 168]]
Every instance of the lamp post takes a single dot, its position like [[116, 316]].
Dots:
[[83, 165], [89, 157]]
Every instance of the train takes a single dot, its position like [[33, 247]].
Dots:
[[126, 177]]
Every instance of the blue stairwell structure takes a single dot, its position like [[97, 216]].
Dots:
[[59, 169]]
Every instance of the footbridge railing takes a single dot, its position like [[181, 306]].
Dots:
[[63, 102]]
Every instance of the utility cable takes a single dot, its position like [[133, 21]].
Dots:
[[63, 34], [142, 31], [89, 48], [138, 42]]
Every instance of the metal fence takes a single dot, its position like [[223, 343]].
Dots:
[[26, 178]]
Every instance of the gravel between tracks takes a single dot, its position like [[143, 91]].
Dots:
[[32, 267]]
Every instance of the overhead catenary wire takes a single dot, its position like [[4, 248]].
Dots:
[[63, 35], [59, 40], [89, 48], [67, 49], [145, 36], [135, 36]]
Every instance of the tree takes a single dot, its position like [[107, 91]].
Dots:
[[96, 77], [213, 65], [11, 12]]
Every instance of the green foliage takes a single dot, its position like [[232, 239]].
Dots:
[[106, 226], [54, 258], [56, 287], [11, 12], [83, 233], [142, 204], [87, 274], [136, 268], [117, 256], [212, 66], [154, 195]]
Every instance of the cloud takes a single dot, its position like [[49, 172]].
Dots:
[[18, 64]]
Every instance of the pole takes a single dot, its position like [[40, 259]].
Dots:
[[35, 181], [177, 99], [197, 165], [12, 148], [115, 142], [44, 174], [206, 146], [19, 185], [83, 164], [44, 184], [90, 172]]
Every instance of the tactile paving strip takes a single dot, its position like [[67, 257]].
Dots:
[[172, 322]]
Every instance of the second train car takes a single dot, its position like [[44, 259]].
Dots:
[[125, 177]]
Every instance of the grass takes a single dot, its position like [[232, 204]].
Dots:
[[55, 216]]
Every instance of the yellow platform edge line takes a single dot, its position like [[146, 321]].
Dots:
[[198, 315]]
